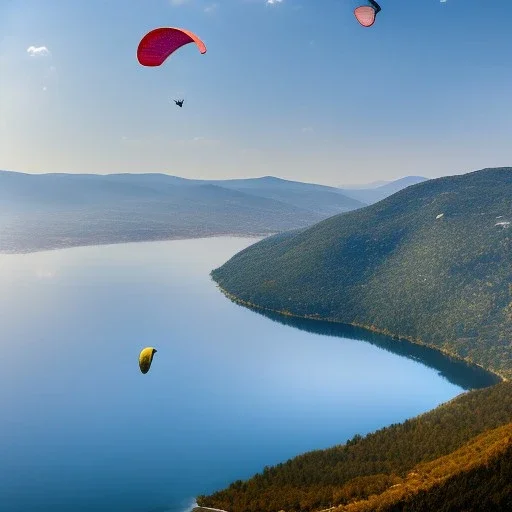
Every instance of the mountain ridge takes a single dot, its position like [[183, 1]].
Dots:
[[357, 268], [374, 194], [57, 210]]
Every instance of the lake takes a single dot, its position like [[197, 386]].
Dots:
[[229, 391]]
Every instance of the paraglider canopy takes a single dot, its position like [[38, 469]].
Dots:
[[366, 14], [160, 43], [146, 358]]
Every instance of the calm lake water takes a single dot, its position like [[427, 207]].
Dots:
[[230, 390]]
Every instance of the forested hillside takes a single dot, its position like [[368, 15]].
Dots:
[[477, 476], [371, 465], [431, 264]]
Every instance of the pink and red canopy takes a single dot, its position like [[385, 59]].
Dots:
[[157, 45]]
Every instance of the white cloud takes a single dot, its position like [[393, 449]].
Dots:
[[273, 2], [205, 140], [197, 142], [211, 8], [45, 273], [38, 51]]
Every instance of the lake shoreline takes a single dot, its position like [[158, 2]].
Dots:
[[146, 282], [249, 305], [79, 244], [370, 328]]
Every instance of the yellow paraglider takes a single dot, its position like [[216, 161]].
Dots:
[[146, 358]]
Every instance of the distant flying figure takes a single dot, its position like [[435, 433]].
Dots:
[[366, 14], [179, 103]]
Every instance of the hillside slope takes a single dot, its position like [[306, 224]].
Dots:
[[371, 465], [477, 476], [431, 264]]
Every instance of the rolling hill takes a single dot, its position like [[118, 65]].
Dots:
[[46, 211], [431, 264], [478, 476], [60, 210]]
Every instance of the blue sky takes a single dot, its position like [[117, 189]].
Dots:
[[296, 89]]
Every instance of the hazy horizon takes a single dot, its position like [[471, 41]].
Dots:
[[355, 185], [350, 106]]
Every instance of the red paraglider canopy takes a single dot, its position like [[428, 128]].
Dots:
[[157, 45]]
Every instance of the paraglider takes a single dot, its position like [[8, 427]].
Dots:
[[158, 44], [367, 14], [146, 358]]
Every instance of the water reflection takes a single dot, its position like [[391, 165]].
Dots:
[[455, 371], [230, 392]]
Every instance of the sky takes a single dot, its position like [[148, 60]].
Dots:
[[290, 88]]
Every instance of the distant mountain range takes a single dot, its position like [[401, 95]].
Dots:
[[373, 184], [370, 195], [45, 211]]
